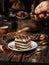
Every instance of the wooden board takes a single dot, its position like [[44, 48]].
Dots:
[[16, 59]]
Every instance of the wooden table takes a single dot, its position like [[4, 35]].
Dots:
[[9, 57]]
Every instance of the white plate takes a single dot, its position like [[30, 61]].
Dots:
[[11, 46]]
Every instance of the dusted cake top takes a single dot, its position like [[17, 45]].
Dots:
[[22, 38]]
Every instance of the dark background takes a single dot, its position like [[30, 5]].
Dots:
[[27, 3]]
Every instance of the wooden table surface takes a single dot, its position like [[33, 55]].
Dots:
[[11, 57]]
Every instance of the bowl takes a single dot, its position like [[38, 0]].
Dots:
[[21, 15], [3, 29]]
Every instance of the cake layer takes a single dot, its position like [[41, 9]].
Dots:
[[22, 44], [22, 40], [22, 47]]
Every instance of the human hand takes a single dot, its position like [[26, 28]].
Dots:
[[42, 10]]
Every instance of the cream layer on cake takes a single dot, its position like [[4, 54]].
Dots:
[[23, 42]]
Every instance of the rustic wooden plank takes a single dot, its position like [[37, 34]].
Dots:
[[45, 55], [47, 58], [25, 58], [16, 58], [31, 58], [37, 57], [5, 56]]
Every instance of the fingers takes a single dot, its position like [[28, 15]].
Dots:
[[43, 6], [47, 15], [40, 16], [36, 17]]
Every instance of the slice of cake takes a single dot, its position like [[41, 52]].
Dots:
[[22, 42]]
